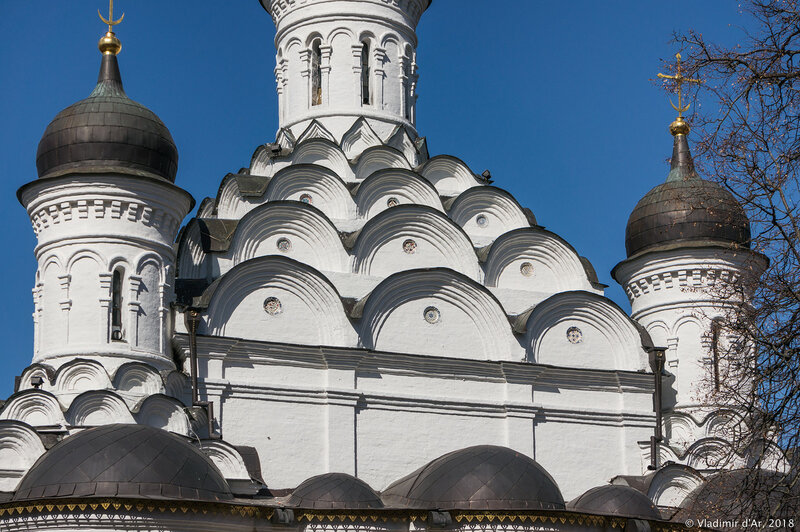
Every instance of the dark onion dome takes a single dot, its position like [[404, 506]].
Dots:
[[134, 461], [485, 477], [686, 209], [622, 501], [334, 491], [746, 492], [107, 133]]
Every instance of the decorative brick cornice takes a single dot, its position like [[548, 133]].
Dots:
[[68, 211], [681, 279], [278, 9]]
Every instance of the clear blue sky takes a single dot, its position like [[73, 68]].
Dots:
[[553, 97]]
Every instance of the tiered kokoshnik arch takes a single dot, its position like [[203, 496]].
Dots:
[[349, 313]]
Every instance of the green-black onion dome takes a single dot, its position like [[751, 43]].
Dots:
[[107, 132], [685, 208]]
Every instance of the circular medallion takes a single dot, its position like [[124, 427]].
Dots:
[[574, 335], [432, 315], [526, 269], [409, 246], [284, 245], [306, 198], [392, 202], [272, 306], [482, 221]]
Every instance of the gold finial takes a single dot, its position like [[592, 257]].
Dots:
[[109, 44], [679, 126]]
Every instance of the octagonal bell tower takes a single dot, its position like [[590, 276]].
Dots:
[[342, 59]]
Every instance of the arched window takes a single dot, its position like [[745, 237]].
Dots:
[[316, 74], [116, 306], [365, 73], [409, 105]]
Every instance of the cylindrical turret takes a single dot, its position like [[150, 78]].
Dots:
[[687, 242], [106, 214], [338, 60]]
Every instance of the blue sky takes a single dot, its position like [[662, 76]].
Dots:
[[554, 97]]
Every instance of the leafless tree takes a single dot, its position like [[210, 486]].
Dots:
[[746, 138]]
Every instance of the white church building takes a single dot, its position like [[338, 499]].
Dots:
[[353, 333]]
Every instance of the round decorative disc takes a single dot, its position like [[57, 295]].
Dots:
[[432, 315], [272, 306]]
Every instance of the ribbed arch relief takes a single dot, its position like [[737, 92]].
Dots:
[[96, 408], [391, 187], [192, 259], [137, 379], [359, 138], [81, 375], [227, 459], [412, 236], [324, 153], [315, 146], [230, 203], [672, 484], [401, 140], [37, 371], [681, 430], [584, 330], [292, 229], [37, 408], [316, 186], [316, 130], [276, 299], [165, 413], [379, 158], [177, 384], [437, 312], [20, 447], [712, 453], [486, 212], [450, 175], [725, 424], [536, 260]]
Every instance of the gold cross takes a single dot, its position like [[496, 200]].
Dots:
[[111, 22], [679, 80]]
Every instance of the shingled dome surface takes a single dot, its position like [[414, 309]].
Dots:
[[621, 501], [686, 209], [334, 491], [134, 461], [485, 477], [107, 133]]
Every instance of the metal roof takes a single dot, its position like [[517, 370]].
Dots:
[[615, 500], [685, 208], [334, 491], [124, 461], [485, 477], [107, 133]]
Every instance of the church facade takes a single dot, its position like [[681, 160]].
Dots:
[[353, 333]]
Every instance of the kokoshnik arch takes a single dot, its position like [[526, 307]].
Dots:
[[353, 333]]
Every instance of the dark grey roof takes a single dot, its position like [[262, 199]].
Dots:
[[134, 461], [685, 208], [334, 491], [615, 500], [485, 477], [107, 132], [747, 492]]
